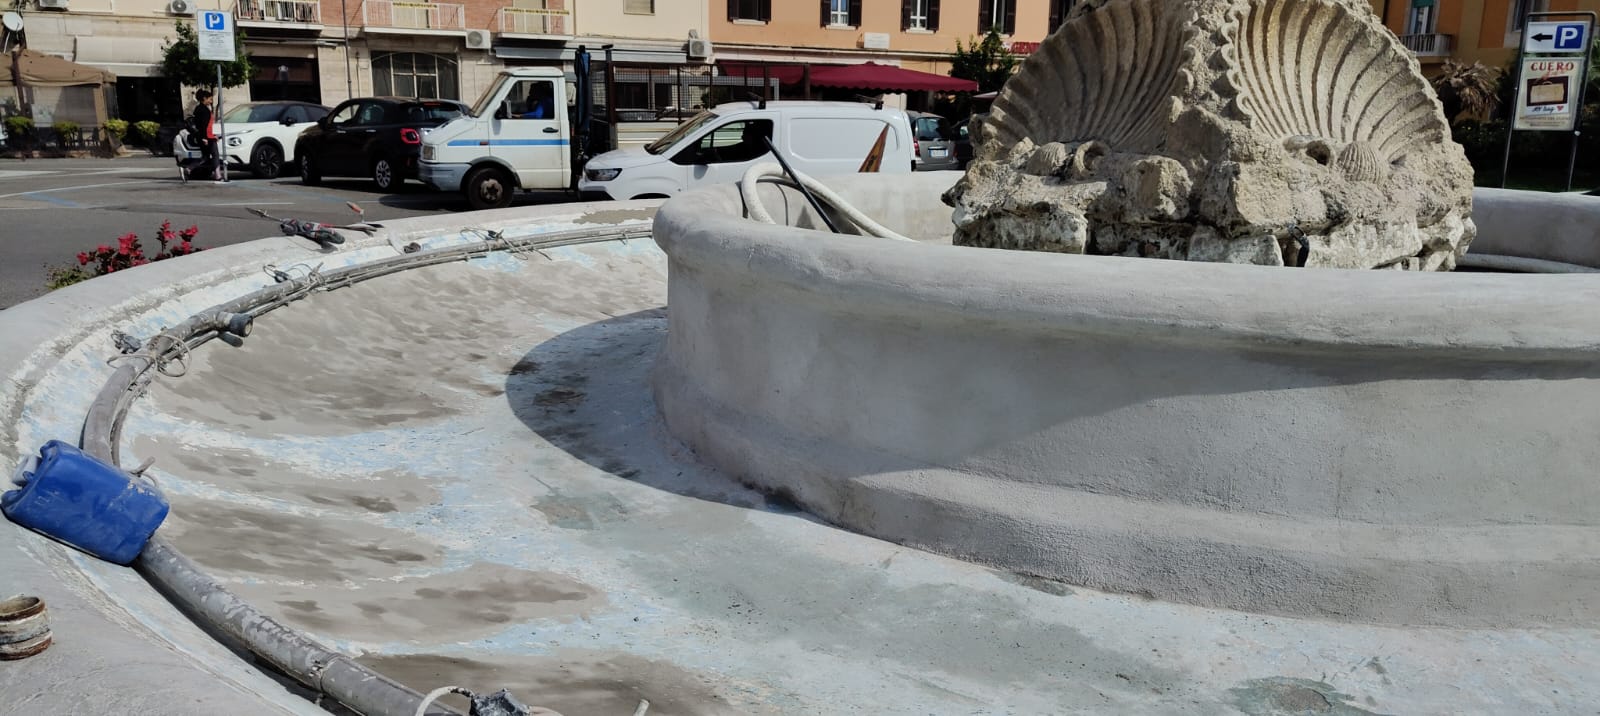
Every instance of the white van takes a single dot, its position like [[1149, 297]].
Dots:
[[720, 144]]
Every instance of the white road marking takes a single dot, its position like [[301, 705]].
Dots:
[[18, 173], [70, 188], [254, 203]]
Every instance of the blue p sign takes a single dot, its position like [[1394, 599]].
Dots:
[[1569, 36], [216, 21]]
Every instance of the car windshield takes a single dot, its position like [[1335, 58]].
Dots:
[[679, 132], [481, 107], [253, 112]]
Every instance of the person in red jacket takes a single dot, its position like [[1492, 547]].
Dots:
[[206, 125]]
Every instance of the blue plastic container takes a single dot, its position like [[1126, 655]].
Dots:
[[72, 497]]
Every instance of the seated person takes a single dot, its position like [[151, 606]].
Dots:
[[539, 104]]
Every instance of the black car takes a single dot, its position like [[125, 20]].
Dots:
[[378, 137]]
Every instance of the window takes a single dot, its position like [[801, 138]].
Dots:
[[345, 114], [1519, 12], [919, 15], [640, 7], [757, 10], [414, 74], [841, 13], [1060, 10], [731, 143], [248, 113], [997, 14], [532, 99], [372, 114], [296, 114], [1421, 19]]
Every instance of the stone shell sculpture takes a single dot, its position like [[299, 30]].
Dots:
[[1273, 132]]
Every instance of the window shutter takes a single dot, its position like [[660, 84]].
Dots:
[[827, 9], [855, 13], [1058, 8], [733, 10], [1011, 17], [766, 10], [933, 15], [905, 14]]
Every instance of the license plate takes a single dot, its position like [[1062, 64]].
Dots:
[[938, 153]]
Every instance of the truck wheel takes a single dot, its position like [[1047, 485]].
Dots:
[[488, 188], [310, 173], [266, 162]]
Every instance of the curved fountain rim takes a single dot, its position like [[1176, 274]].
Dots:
[[1503, 316]]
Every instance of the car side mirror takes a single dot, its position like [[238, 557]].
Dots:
[[323, 123], [287, 122], [503, 111]]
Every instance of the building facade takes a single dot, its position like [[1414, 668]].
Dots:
[[1487, 31], [913, 34], [329, 50]]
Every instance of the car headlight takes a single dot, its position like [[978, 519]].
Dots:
[[427, 151], [601, 174], [235, 141]]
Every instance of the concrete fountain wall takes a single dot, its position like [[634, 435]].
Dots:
[[1381, 446]]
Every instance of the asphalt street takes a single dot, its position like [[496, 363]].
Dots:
[[50, 209]]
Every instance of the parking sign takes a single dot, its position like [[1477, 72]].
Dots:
[[1556, 37], [216, 36]]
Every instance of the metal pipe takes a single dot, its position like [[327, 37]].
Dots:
[[305, 660]]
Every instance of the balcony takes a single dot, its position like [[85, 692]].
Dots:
[[413, 17], [292, 14], [1430, 45], [536, 22]]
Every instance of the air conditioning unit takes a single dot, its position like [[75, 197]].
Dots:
[[699, 49], [52, 4], [478, 39], [181, 7]]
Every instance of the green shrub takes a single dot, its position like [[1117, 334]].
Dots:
[[63, 276], [66, 132], [145, 131], [19, 126], [118, 128]]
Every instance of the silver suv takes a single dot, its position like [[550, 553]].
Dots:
[[934, 143]]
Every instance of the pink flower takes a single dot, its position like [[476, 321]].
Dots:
[[83, 258], [190, 232], [102, 249], [186, 247]]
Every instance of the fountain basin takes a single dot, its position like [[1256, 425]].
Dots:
[[1377, 446]]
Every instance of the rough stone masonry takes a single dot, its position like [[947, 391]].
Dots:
[[1272, 132]]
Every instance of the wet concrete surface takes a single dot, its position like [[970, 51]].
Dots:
[[458, 474]]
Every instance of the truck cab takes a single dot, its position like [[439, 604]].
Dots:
[[516, 136]]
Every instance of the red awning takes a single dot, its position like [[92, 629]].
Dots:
[[865, 76], [886, 78]]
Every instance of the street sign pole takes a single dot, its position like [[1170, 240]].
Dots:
[[222, 129], [216, 44]]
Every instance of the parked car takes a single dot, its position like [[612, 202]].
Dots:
[[934, 143], [377, 137], [720, 144], [264, 135]]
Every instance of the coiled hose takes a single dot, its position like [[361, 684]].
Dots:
[[774, 174]]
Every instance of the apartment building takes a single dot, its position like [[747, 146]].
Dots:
[[912, 34], [329, 50], [1487, 31]]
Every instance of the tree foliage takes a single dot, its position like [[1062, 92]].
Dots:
[[180, 60], [1464, 89], [988, 62]]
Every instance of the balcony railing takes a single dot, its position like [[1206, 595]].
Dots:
[[268, 11], [1430, 45], [414, 15], [534, 21]]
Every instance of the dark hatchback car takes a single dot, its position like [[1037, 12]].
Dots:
[[377, 137]]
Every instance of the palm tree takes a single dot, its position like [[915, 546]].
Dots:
[[1467, 89]]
